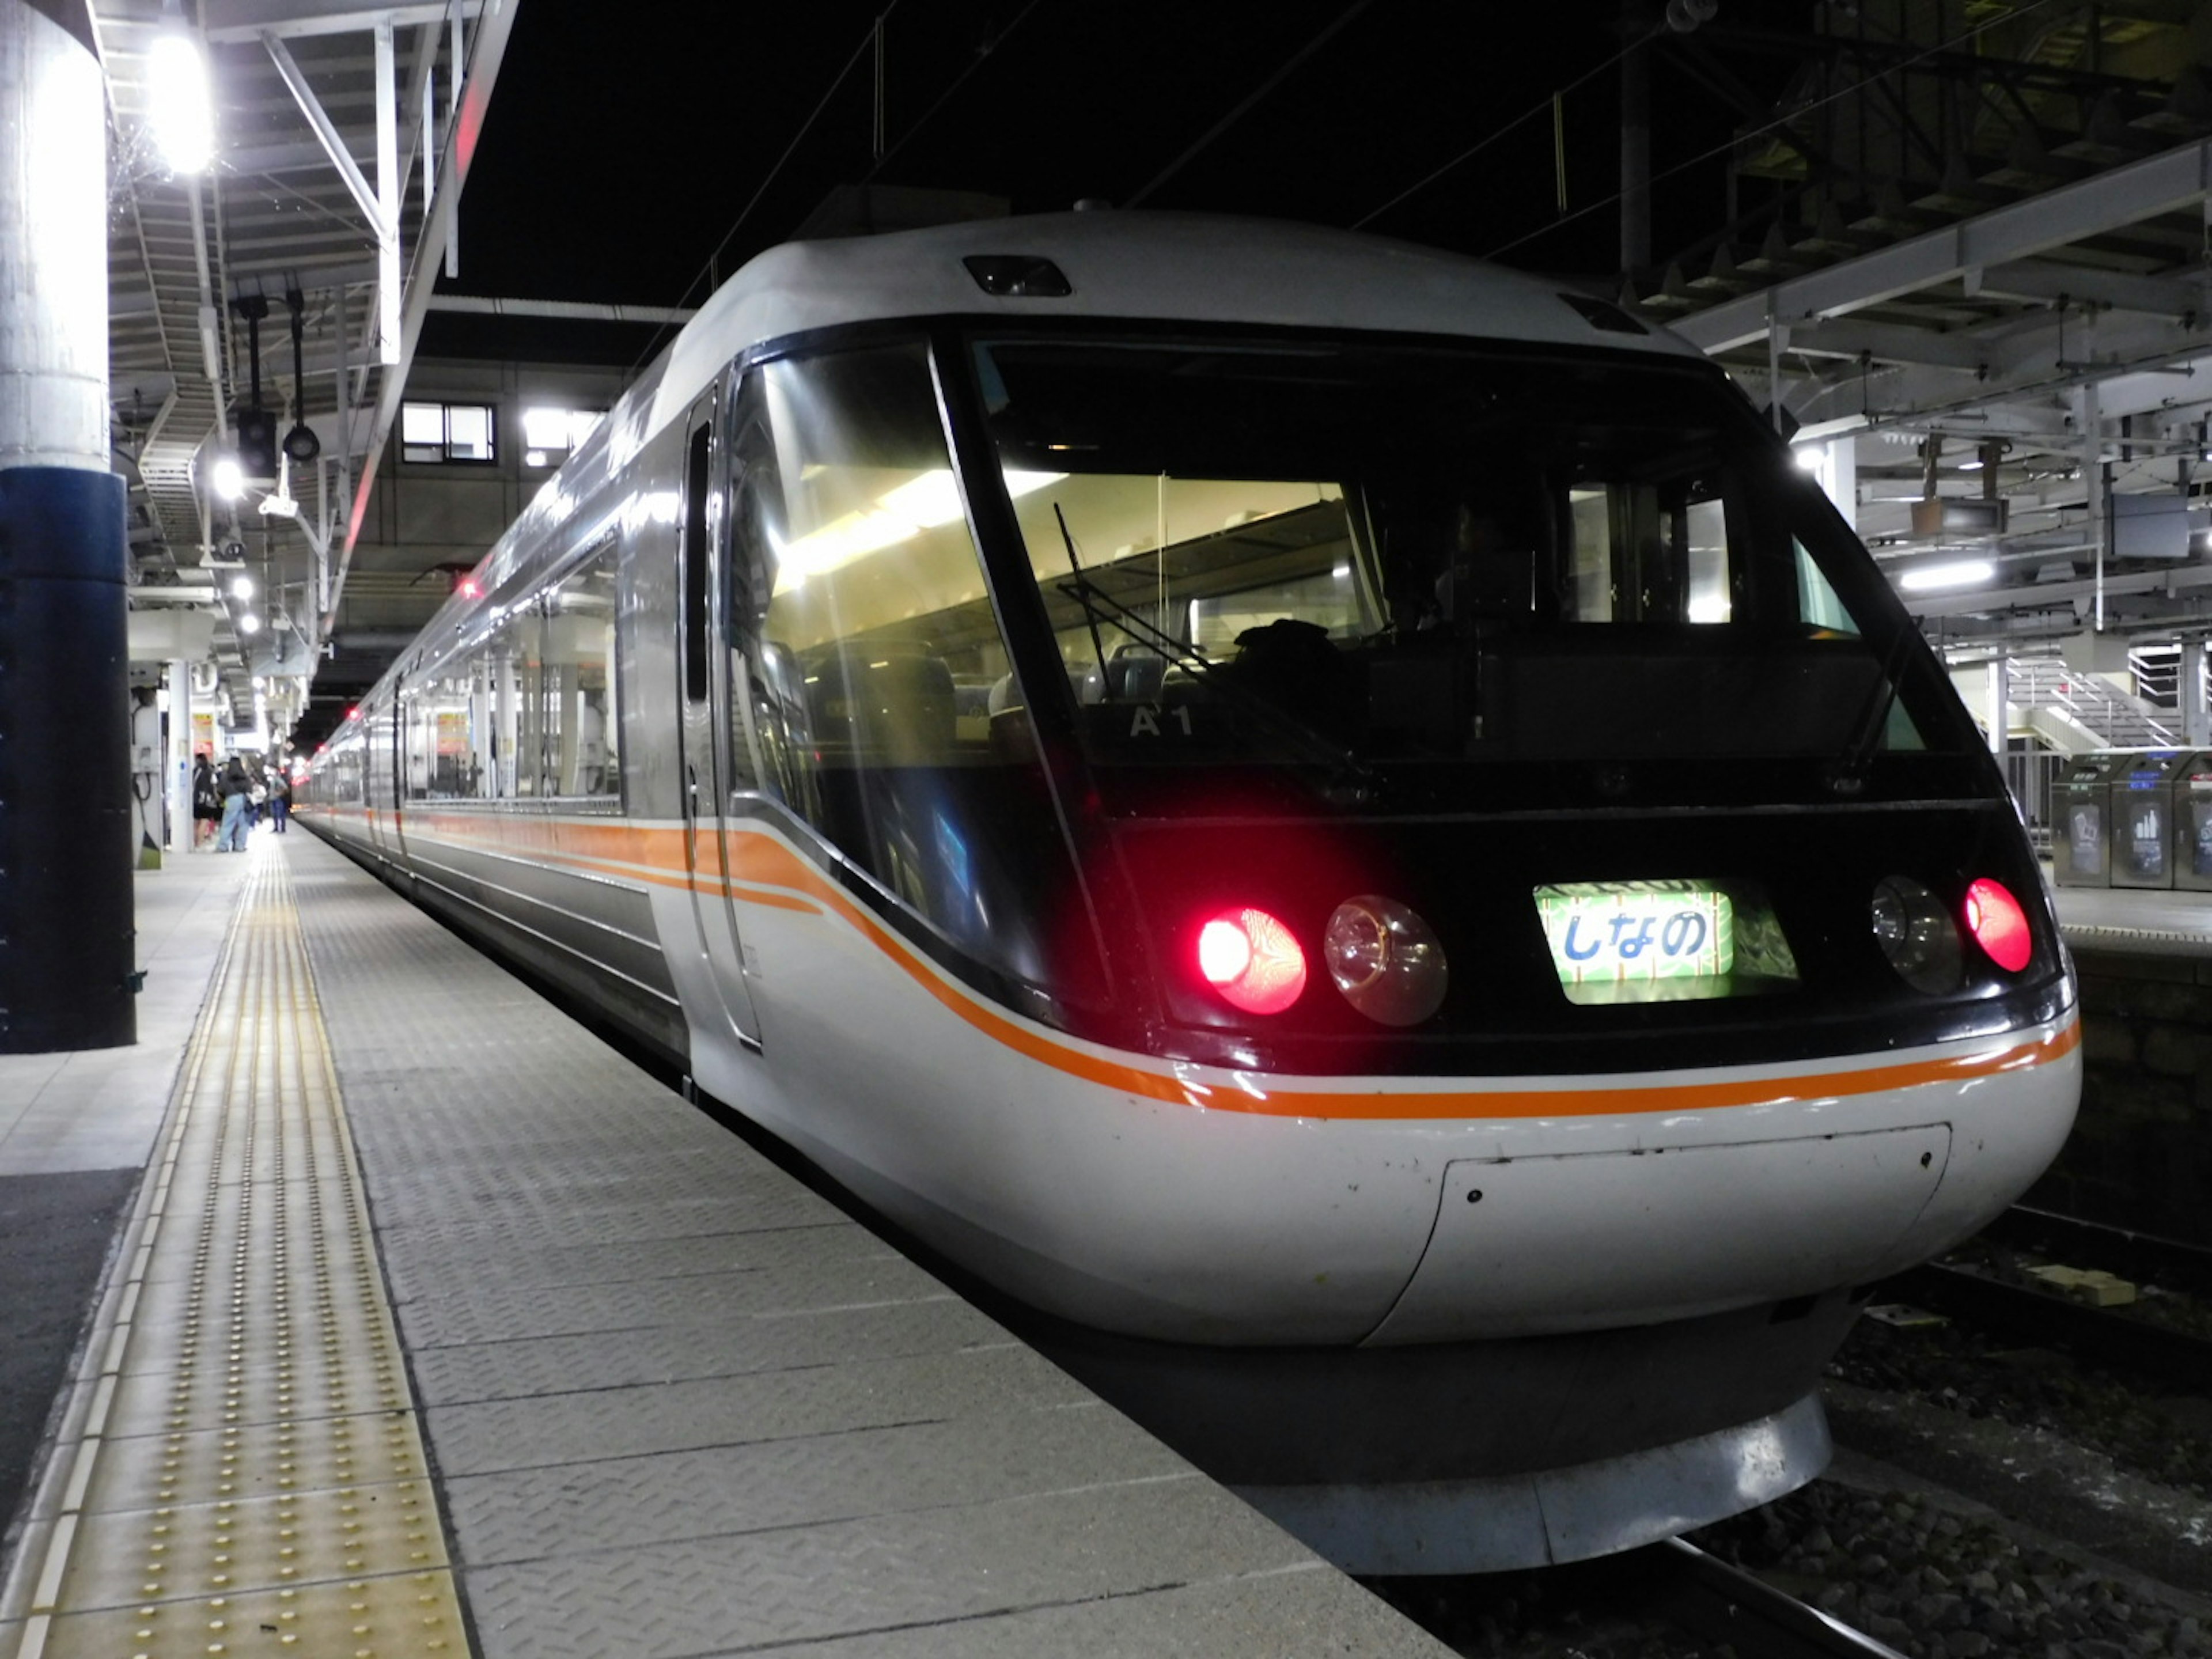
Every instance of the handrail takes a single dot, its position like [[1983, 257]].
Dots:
[[2121, 720]]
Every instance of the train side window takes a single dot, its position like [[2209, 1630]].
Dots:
[[583, 724], [441, 740], [517, 661], [870, 651], [696, 482], [1818, 603]]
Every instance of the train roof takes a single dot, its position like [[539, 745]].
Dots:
[[1173, 266]]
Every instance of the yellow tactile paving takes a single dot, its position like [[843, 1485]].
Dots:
[[250, 1475]]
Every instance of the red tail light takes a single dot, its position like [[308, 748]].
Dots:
[[1999, 925], [1252, 959]]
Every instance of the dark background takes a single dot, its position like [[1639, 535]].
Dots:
[[631, 152]]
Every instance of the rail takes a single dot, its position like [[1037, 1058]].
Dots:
[[2110, 1340], [2171, 1263], [1722, 1604]]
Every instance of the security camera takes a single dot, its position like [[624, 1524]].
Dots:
[[234, 549]]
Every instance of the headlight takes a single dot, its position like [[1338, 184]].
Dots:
[[1916, 934], [1385, 960]]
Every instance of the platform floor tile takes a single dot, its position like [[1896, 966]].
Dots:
[[242, 1469], [680, 1405]]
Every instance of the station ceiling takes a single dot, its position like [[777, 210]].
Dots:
[[2028, 301]]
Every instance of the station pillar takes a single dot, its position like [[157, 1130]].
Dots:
[[66, 841]]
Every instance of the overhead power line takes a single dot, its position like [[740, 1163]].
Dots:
[[1252, 98], [1955, 41]]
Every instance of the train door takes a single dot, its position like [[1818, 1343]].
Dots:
[[380, 782], [702, 696], [405, 762]]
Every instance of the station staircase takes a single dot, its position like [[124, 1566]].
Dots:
[[2074, 712]]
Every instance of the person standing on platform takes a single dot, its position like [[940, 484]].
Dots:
[[280, 797], [236, 787], [207, 799]]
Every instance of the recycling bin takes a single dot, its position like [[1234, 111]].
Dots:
[[2079, 853], [2192, 825], [2140, 827]]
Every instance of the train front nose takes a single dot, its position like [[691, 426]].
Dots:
[[1833, 1182]]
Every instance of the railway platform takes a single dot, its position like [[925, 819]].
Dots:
[[432, 1326], [2136, 922]]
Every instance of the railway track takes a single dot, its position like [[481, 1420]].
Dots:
[[1619, 1604], [1721, 1604], [2171, 1263], [2111, 1338]]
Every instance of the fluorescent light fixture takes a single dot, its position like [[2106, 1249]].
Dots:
[[1970, 466], [229, 478], [182, 112], [1959, 573], [242, 588], [923, 502]]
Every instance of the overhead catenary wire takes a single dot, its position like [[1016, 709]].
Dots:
[[981, 57], [1955, 41], [1547, 103], [868, 44], [1248, 100]]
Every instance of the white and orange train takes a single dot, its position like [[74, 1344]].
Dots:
[[1341, 820]]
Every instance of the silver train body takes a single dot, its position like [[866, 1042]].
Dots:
[[1335, 819]]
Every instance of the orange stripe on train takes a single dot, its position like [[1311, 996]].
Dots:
[[762, 871]]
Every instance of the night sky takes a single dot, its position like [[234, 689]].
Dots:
[[624, 143]]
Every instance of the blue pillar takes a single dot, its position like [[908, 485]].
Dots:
[[65, 842], [66, 949]]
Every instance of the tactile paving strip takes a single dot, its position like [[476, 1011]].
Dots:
[[250, 1475]]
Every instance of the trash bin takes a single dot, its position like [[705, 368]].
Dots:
[[2079, 856], [2192, 825], [2140, 825]]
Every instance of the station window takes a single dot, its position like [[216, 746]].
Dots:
[[433, 433], [549, 436]]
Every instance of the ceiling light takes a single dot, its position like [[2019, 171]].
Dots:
[[182, 113], [249, 623], [1807, 456], [1960, 572], [229, 478], [242, 588], [925, 502]]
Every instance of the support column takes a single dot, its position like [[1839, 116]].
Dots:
[[2195, 718], [2000, 719], [2089, 423], [1843, 477], [182, 829], [66, 844]]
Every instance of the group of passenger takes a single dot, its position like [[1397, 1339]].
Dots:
[[228, 801]]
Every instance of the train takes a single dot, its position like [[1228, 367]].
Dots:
[[1338, 821]]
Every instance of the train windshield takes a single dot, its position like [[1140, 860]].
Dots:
[[1381, 558]]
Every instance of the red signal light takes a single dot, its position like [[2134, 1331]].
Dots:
[[1253, 960], [1999, 925], [467, 587], [354, 712]]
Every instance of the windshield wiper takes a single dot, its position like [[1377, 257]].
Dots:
[[1849, 776], [1098, 605]]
